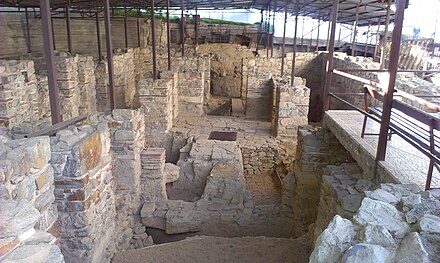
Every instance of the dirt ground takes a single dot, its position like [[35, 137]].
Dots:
[[264, 189], [219, 249]]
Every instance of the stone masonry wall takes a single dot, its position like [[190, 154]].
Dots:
[[67, 77], [316, 149], [19, 93], [84, 193]]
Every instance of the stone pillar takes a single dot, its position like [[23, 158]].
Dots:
[[86, 85], [67, 77], [152, 178]]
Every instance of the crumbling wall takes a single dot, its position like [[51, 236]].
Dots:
[[84, 193], [226, 65], [19, 97], [316, 149], [290, 109], [28, 210]]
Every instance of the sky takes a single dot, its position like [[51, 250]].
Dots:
[[421, 14]]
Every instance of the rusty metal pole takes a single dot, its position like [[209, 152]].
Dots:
[[182, 28], [392, 71], [302, 34], [385, 35], [46, 22], [260, 32], [196, 31], [98, 32], [355, 25], [317, 35], [292, 75], [339, 35], [267, 30], [376, 45], [53, 32], [28, 32], [138, 27], [273, 28], [366, 41], [69, 33], [328, 34], [283, 48], [125, 25], [168, 35], [329, 72], [153, 39], [109, 49]]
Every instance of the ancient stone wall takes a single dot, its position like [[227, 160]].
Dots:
[[316, 149], [84, 193], [20, 91]]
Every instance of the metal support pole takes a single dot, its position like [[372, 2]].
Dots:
[[273, 30], [267, 31], [317, 36], [329, 72], [138, 27], [355, 25], [69, 36], [125, 25], [283, 48], [260, 31], [292, 76], [376, 45], [53, 33], [153, 39], [392, 71], [182, 28], [196, 31], [309, 48], [28, 34], [385, 36], [98, 32], [109, 48], [49, 56], [366, 41], [168, 35], [302, 34], [328, 35], [339, 35]]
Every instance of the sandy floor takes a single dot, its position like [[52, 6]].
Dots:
[[219, 249], [264, 189]]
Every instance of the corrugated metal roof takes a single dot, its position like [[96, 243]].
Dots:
[[369, 10]]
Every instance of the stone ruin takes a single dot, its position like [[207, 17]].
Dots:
[[152, 171]]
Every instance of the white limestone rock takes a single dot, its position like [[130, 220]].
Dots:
[[430, 224], [16, 217], [430, 206], [171, 172], [378, 235], [333, 241], [366, 253], [41, 253], [411, 249], [384, 196], [409, 202], [375, 212], [401, 189]]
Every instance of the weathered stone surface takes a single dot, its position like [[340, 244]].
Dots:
[[41, 253], [16, 217], [352, 203], [409, 202], [29, 153], [378, 235], [40, 237], [411, 249], [333, 241], [384, 196], [379, 213], [366, 253], [172, 172], [431, 206], [430, 224], [148, 209]]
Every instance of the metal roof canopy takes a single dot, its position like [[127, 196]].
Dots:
[[369, 10]]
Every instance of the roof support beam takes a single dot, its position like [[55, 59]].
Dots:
[[273, 30], [109, 49], [292, 77], [317, 36], [283, 48], [385, 36], [68, 27], [49, 56], [168, 35], [331, 50], [182, 28], [392, 71], [28, 32], [153, 38], [376, 45], [355, 26], [98, 32]]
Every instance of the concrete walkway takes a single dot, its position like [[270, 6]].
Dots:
[[403, 162]]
